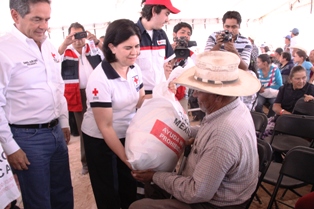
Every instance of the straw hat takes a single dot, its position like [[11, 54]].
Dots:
[[217, 72], [297, 46]]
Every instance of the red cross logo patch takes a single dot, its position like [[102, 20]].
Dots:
[[54, 57], [95, 92], [135, 80]]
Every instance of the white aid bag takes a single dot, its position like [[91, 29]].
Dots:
[[8, 188], [157, 133]]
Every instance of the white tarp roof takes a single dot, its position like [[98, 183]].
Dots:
[[64, 12], [265, 18]]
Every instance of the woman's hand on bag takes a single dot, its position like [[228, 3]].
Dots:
[[143, 176], [172, 87], [128, 164], [308, 98]]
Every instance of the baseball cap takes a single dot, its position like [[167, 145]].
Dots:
[[288, 37], [295, 31], [166, 3]]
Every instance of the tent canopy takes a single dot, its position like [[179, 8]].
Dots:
[[64, 12], [269, 20]]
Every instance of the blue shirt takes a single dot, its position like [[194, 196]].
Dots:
[[307, 66], [272, 80]]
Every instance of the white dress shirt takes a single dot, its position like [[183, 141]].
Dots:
[[31, 86]]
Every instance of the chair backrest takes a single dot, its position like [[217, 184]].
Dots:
[[295, 125], [265, 154], [304, 108], [299, 164], [260, 122]]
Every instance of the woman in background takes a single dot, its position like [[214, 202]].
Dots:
[[291, 92], [300, 58], [271, 80]]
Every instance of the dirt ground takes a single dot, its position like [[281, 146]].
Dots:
[[84, 198], [83, 194]]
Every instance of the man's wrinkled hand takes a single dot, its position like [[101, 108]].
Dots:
[[189, 141], [18, 160], [67, 134], [143, 176]]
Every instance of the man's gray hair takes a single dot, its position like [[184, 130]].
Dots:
[[22, 6]]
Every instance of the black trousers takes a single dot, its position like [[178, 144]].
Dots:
[[112, 182], [160, 199]]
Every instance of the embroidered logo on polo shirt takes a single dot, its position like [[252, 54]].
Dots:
[[30, 62], [95, 92], [161, 42], [136, 82], [54, 58]]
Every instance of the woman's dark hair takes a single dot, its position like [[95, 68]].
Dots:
[[302, 54], [232, 15], [264, 58], [147, 10], [286, 55], [117, 32], [296, 69]]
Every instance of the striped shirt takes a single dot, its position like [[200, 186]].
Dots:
[[222, 168], [272, 80], [242, 44]]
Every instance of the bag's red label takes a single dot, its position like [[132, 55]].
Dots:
[[168, 136]]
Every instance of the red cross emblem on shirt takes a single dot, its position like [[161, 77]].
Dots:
[[95, 91], [53, 55], [135, 79]]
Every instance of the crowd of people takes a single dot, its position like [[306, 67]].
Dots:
[[103, 81]]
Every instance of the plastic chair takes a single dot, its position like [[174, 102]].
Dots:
[[260, 122], [304, 108], [290, 131], [297, 165], [265, 156]]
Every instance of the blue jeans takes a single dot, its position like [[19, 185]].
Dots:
[[47, 182], [261, 101]]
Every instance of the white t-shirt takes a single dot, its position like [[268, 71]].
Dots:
[[293, 42], [106, 89]]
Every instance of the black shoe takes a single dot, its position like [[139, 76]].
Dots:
[[75, 134]]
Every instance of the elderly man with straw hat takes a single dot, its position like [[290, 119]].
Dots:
[[221, 170]]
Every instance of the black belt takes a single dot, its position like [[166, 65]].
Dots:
[[147, 92], [51, 124]]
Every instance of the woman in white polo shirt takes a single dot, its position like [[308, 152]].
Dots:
[[114, 91]]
